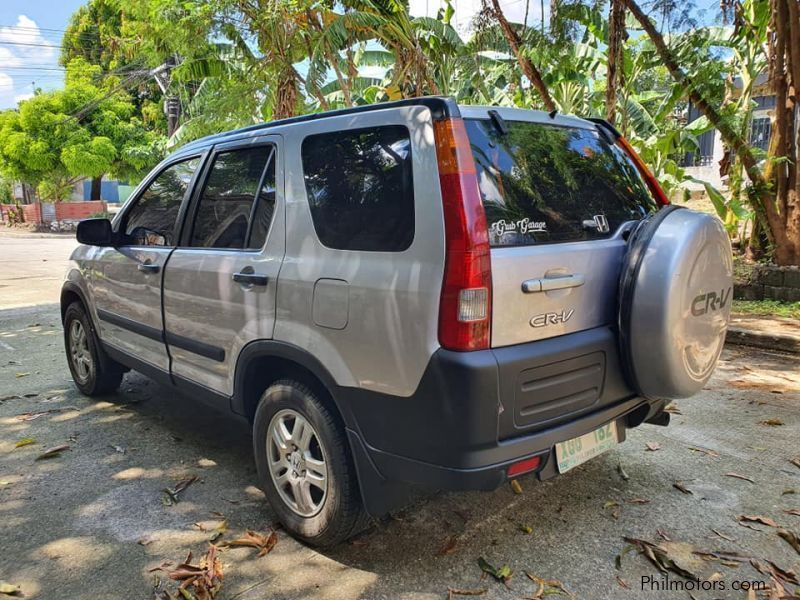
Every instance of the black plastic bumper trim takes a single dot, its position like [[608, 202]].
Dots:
[[131, 325], [196, 347]]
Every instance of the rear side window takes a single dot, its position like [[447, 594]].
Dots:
[[237, 180], [360, 188], [543, 184]]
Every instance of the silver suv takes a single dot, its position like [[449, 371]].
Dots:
[[412, 294]]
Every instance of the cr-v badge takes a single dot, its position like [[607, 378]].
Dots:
[[552, 318]]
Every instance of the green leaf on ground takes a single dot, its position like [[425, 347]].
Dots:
[[24, 442], [503, 574]]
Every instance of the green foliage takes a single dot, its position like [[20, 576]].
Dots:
[[88, 129]]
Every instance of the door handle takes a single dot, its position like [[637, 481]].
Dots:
[[148, 268], [250, 278], [547, 284]]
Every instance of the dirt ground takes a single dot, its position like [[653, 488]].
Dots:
[[92, 521]]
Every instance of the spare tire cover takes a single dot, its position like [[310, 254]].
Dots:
[[675, 297]]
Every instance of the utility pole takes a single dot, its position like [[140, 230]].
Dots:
[[172, 104]]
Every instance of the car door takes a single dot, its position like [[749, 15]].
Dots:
[[126, 284], [220, 283]]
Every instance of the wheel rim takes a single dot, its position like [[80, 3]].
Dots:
[[80, 356], [297, 463]]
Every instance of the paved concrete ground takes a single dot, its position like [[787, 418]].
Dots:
[[32, 267], [91, 523]]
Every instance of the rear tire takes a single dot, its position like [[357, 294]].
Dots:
[[304, 465], [93, 372]]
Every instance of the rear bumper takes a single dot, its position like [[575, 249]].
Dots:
[[475, 413]]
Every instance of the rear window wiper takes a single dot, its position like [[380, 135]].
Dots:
[[498, 122]]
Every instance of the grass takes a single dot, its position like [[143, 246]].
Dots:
[[770, 308]]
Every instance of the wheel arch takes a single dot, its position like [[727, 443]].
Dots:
[[71, 292], [265, 361]]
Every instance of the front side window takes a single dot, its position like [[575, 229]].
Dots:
[[543, 183], [238, 179], [360, 188], [153, 218]]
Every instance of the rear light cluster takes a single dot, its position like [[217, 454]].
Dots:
[[649, 179], [523, 466], [466, 301]]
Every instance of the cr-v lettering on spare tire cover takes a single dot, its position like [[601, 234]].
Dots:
[[675, 300]]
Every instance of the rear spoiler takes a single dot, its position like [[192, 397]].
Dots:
[[617, 138]]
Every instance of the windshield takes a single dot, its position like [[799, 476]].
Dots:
[[544, 183]]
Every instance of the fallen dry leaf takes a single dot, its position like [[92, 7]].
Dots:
[[19, 375], [793, 511], [770, 569], [771, 422], [758, 519], [638, 501], [202, 581], [172, 494], [53, 452], [449, 546], [263, 543], [673, 408], [622, 583], [516, 486], [526, 529], [739, 476], [549, 585], [622, 473], [677, 557], [219, 531], [791, 538], [9, 589], [678, 485], [723, 536], [461, 592], [24, 442], [663, 535], [795, 462], [705, 451], [653, 446]]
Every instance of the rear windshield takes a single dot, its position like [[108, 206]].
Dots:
[[544, 183]]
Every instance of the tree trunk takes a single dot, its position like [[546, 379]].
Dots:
[[97, 188], [782, 227], [616, 37], [528, 68]]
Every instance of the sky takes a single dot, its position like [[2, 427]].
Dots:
[[30, 32]]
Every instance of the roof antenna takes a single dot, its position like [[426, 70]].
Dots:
[[498, 122], [552, 114]]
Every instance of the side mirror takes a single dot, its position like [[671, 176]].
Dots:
[[95, 232]]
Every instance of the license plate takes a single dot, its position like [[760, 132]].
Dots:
[[578, 450]]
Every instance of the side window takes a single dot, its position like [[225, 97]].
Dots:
[[152, 220], [360, 188], [237, 179]]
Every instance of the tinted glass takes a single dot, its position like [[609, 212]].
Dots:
[[360, 188], [223, 215], [265, 207], [542, 183], [152, 220]]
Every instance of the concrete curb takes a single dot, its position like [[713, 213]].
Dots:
[[759, 339]]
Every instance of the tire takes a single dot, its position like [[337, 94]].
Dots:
[[93, 372], [319, 517]]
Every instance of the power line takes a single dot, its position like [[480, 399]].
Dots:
[[30, 44]]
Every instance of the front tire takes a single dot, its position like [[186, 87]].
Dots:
[[94, 373], [304, 465]]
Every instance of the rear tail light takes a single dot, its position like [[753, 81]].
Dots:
[[466, 301], [649, 179], [524, 466]]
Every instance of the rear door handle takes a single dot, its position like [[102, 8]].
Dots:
[[250, 278], [546, 284], [148, 268]]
